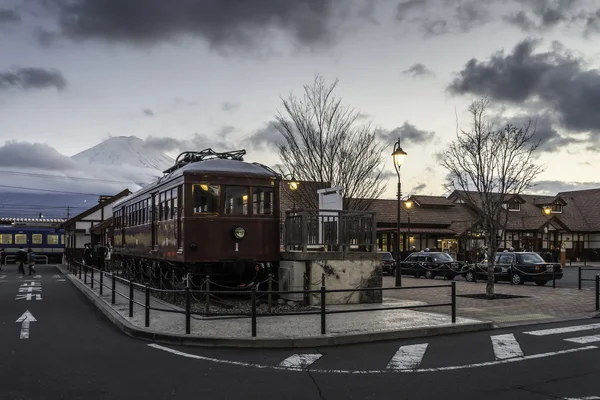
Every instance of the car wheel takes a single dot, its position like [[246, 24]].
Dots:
[[429, 275], [470, 276], [517, 279], [541, 283]]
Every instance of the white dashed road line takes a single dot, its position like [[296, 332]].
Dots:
[[585, 339], [567, 329], [408, 357], [506, 346], [300, 360]]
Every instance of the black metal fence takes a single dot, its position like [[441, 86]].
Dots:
[[92, 276], [596, 279]]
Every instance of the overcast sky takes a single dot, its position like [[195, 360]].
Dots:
[[74, 72]]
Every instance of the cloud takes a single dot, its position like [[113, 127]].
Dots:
[[229, 106], [417, 70], [555, 81], [219, 141], [554, 187], [32, 78], [543, 14], [419, 188], [265, 138], [148, 112], [33, 155], [9, 16], [406, 133], [225, 23]]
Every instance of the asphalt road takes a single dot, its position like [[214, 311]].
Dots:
[[73, 352]]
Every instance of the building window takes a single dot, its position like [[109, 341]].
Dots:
[[20, 238], [52, 239], [236, 200], [556, 208], [6, 238], [36, 238], [206, 198], [514, 206], [262, 201]]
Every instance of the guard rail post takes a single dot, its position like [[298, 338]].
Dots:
[[270, 296], [323, 302], [85, 275], [92, 277], [253, 300], [597, 292], [187, 310], [453, 302], [147, 311], [130, 299], [79, 270], [553, 277], [114, 285], [101, 282], [579, 277], [207, 305]]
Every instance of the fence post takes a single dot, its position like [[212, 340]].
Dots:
[[101, 281], [207, 305], [92, 277], [579, 277], [453, 302], [553, 277], [79, 270], [187, 311], [114, 284], [85, 275], [253, 300], [147, 316], [323, 310], [130, 299], [597, 292], [270, 289]]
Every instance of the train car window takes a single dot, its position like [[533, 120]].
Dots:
[[236, 200], [167, 204], [262, 201], [174, 203], [20, 238], [52, 239], [206, 198], [62, 237], [6, 238], [36, 238]]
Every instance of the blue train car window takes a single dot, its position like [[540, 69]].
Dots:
[[52, 239], [20, 238], [6, 238], [36, 238]]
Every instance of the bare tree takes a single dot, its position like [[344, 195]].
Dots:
[[325, 141], [488, 167]]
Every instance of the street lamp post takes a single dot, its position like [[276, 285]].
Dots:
[[398, 156], [547, 211], [408, 205]]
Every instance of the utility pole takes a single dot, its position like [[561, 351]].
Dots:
[[68, 212]]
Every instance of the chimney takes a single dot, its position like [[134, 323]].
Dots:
[[102, 199]]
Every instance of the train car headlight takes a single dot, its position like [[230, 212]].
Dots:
[[239, 232]]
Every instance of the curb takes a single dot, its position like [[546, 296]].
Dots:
[[313, 341]]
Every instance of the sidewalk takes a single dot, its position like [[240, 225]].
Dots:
[[274, 331], [540, 304]]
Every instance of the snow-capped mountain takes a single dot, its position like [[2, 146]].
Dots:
[[125, 150]]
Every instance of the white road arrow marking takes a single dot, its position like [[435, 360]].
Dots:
[[585, 339], [300, 360], [506, 346], [567, 329], [25, 319], [408, 357]]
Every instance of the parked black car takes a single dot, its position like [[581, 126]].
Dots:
[[518, 268], [432, 264], [388, 264]]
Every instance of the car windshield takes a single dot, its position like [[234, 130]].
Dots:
[[442, 257], [531, 258], [386, 256]]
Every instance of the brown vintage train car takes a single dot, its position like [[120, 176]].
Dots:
[[211, 213]]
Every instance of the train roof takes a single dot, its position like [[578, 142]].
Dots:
[[209, 162]]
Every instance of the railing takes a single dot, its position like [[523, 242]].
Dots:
[[330, 230], [14, 259], [96, 275], [580, 275]]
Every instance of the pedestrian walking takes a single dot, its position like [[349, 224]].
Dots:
[[31, 261], [21, 259]]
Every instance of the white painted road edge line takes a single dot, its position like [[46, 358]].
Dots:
[[408, 357], [583, 398], [506, 346], [584, 339], [381, 371], [568, 329], [300, 360]]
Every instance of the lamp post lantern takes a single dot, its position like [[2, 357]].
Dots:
[[398, 156]]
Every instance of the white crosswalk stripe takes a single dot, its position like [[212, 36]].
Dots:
[[506, 346], [585, 339], [300, 360], [567, 329], [408, 357]]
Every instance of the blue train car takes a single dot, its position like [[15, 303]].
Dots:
[[47, 241]]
